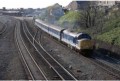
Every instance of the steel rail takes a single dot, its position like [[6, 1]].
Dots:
[[43, 74], [30, 72], [3, 29], [51, 58], [43, 56], [21, 54]]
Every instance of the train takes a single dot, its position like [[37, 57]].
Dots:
[[80, 42]]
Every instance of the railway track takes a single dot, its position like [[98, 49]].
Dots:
[[4, 28], [21, 54], [110, 70], [108, 62], [63, 73], [35, 72]]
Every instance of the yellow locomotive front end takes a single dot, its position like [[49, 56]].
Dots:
[[85, 46]]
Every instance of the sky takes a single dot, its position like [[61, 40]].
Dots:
[[34, 3], [31, 3]]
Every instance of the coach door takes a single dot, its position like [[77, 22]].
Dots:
[[61, 34]]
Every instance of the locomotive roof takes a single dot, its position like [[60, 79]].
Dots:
[[58, 28], [66, 31], [74, 34]]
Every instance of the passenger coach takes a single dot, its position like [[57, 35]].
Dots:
[[51, 29]]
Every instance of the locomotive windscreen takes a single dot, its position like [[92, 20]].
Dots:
[[82, 36]]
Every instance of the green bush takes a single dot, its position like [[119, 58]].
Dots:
[[111, 24], [113, 36]]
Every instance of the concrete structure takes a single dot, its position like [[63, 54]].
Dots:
[[12, 13], [106, 3]]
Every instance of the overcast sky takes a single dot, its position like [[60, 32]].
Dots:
[[31, 3], [34, 3]]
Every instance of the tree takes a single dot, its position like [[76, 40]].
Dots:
[[91, 16]]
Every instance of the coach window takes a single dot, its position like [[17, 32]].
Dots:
[[69, 37], [74, 40], [65, 36]]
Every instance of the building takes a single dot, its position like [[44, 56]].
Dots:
[[78, 5], [106, 3]]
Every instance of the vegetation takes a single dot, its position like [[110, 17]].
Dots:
[[71, 16], [70, 19], [112, 36], [100, 25], [111, 29], [90, 16]]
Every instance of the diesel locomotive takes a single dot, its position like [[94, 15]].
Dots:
[[80, 42]]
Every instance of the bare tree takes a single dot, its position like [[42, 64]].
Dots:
[[89, 16]]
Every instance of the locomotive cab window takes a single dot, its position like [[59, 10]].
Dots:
[[82, 36]]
